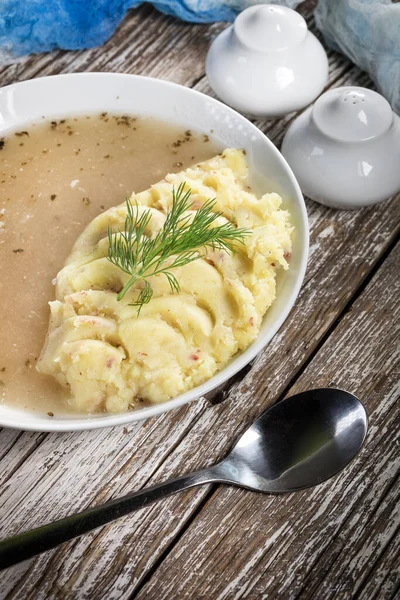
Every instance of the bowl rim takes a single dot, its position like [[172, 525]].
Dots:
[[86, 422]]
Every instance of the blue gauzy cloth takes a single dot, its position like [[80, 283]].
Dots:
[[367, 32]]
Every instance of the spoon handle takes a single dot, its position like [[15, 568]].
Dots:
[[26, 545]]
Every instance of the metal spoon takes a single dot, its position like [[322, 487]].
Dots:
[[297, 443]]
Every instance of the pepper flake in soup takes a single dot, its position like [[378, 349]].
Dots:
[[152, 301], [55, 178]]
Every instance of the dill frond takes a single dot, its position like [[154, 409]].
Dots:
[[183, 239]]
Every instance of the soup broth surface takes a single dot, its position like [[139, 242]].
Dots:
[[55, 177]]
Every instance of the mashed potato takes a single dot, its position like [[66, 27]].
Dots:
[[109, 357]]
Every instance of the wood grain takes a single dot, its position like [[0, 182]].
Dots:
[[46, 476]]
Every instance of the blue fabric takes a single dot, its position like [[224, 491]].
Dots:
[[40, 25], [367, 31]]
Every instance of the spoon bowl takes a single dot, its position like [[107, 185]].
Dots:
[[297, 443]]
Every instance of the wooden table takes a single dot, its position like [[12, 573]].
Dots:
[[335, 541]]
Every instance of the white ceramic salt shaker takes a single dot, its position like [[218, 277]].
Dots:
[[345, 150], [267, 63]]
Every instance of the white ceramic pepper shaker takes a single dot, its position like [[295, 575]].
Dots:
[[345, 150], [267, 63]]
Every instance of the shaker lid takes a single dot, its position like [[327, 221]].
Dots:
[[270, 28], [352, 114]]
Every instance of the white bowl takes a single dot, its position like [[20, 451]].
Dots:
[[65, 95]]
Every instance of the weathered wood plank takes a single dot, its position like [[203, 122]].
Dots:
[[267, 547], [367, 534], [50, 481], [383, 582], [16, 446]]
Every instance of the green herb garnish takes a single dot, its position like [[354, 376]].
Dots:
[[180, 242]]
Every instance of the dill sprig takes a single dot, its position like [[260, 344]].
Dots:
[[179, 242]]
